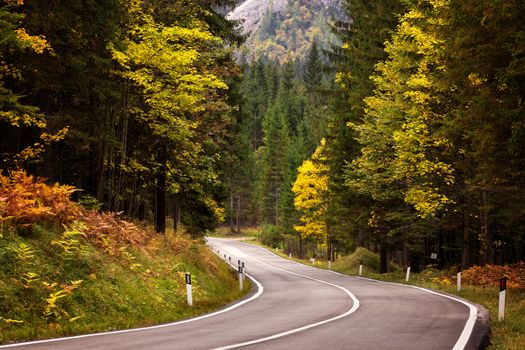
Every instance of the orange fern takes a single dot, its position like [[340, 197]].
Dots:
[[29, 200]]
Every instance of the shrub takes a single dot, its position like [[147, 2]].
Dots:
[[27, 200], [108, 231], [89, 202], [271, 236], [489, 275]]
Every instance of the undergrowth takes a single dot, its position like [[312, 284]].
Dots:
[[67, 270]]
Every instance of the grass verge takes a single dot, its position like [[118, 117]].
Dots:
[[46, 292]]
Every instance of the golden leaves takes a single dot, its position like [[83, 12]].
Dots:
[[310, 190], [38, 43]]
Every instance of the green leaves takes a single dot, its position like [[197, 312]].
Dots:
[[166, 63]]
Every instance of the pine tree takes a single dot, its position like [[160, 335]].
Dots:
[[274, 162], [363, 34], [313, 71]]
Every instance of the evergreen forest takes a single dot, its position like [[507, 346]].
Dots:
[[395, 125]]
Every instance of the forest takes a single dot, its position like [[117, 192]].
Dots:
[[405, 134]]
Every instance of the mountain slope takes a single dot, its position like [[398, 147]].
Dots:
[[284, 30]]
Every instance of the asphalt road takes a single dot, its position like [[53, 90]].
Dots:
[[299, 307]]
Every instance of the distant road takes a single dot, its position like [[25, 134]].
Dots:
[[299, 307]]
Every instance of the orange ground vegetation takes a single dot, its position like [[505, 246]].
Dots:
[[489, 275], [27, 200]]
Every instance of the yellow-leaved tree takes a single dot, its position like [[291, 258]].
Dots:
[[311, 194], [14, 113]]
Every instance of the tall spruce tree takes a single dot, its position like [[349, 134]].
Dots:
[[363, 34]]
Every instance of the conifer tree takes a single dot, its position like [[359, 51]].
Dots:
[[274, 162]]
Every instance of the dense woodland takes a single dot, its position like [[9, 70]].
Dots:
[[404, 135], [286, 32]]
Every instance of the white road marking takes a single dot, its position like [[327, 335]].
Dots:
[[260, 290], [355, 306], [464, 337]]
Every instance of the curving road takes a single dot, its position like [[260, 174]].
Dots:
[[294, 306]]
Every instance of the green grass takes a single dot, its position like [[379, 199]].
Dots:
[[137, 286], [506, 335], [224, 232]]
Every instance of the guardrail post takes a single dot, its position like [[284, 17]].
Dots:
[[241, 286], [188, 290], [459, 277], [502, 294]]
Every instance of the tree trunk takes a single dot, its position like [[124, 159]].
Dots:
[[176, 214], [276, 206], [238, 215], [101, 171], [405, 261], [465, 257], [301, 253], [441, 251], [160, 192], [486, 255], [232, 229], [383, 257], [142, 211]]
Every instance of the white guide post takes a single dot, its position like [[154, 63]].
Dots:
[[329, 265], [360, 269], [241, 286], [502, 294], [188, 290], [458, 269], [290, 255], [408, 274]]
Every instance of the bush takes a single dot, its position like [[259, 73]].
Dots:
[[26, 200], [489, 275], [370, 261], [271, 236], [89, 202]]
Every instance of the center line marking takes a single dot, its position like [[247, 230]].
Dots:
[[354, 307]]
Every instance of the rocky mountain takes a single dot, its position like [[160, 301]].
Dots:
[[285, 29]]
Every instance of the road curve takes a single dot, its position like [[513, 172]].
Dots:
[[295, 306]]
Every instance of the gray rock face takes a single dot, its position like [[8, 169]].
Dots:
[[252, 11], [283, 30]]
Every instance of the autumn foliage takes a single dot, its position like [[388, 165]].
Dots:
[[26, 200], [108, 231], [489, 275]]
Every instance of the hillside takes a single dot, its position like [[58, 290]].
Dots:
[[284, 30], [67, 270]]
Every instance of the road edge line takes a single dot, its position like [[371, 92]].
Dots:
[[468, 329], [350, 311], [260, 290]]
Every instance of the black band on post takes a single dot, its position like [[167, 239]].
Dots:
[[502, 284]]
